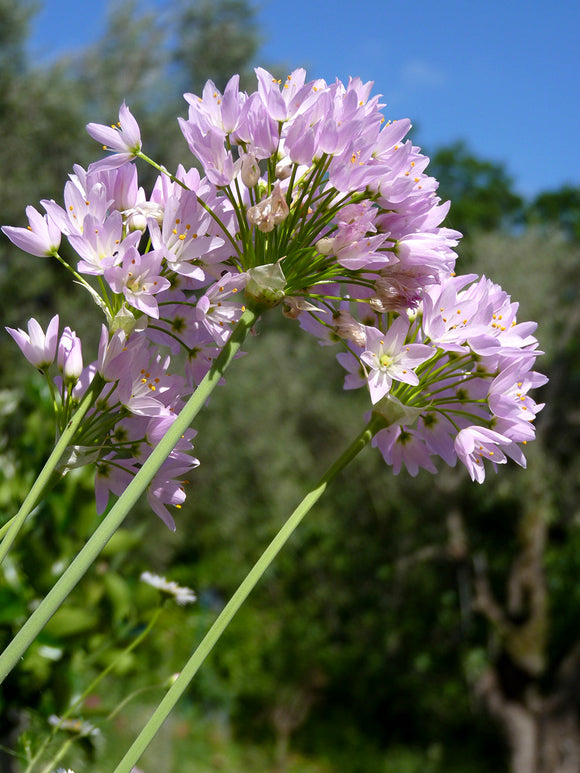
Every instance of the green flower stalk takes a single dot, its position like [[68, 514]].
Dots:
[[192, 666]]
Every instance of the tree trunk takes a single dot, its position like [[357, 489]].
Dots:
[[543, 734], [542, 724]]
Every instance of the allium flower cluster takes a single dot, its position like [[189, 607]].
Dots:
[[308, 200]]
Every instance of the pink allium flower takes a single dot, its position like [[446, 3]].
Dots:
[[166, 489], [113, 476], [216, 312], [310, 201], [70, 356], [138, 278], [401, 446], [148, 389], [220, 110], [114, 358], [283, 103], [38, 348], [124, 140], [41, 238], [101, 245], [184, 237], [474, 445], [389, 357], [79, 201]]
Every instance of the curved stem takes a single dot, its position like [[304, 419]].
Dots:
[[120, 510], [202, 651], [10, 530]]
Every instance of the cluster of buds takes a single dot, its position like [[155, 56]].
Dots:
[[307, 201]]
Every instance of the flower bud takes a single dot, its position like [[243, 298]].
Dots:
[[284, 169], [325, 246], [250, 170], [70, 358], [136, 217]]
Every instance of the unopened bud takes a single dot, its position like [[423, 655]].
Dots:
[[136, 217], [69, 356], [325, 245], [250, 170], [284, 169]]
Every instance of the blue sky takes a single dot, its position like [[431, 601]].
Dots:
[[504, 76]]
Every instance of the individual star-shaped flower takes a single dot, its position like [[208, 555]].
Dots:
[[389, 357], [138, 278], [40, 238], [124, 140]]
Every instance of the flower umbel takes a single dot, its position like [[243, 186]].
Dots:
[[309, 201]]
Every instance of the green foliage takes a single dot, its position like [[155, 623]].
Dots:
[[214, 41], [481, 191], [14, 27], [558, 209]]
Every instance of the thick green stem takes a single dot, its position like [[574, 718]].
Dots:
[[185, 677], [120, 510], [9, 531]]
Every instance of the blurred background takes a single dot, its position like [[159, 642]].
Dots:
[[413, 624]]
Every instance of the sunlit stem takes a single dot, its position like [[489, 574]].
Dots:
[[120, 510], [133, 755]]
